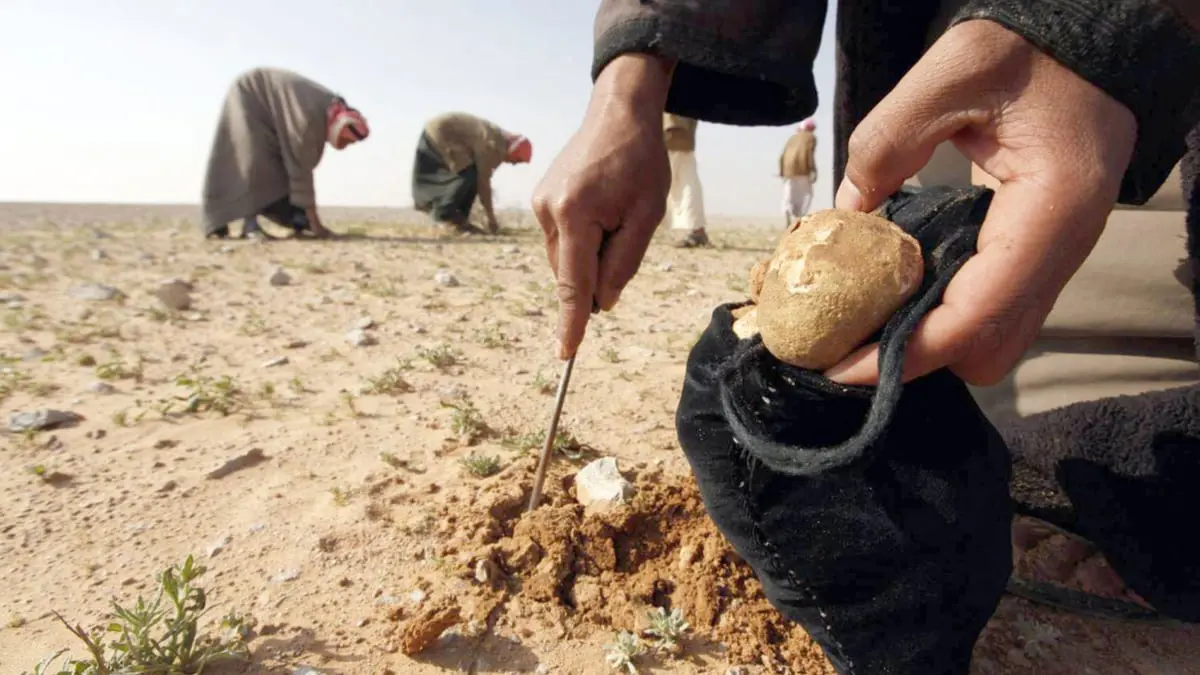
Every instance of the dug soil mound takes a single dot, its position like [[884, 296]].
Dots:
[[571, 572]]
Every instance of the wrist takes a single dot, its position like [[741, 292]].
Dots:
[[635, 81]]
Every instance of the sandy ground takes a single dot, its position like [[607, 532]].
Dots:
[[346, 529]]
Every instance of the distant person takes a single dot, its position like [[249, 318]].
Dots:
[[798, 168], [685, 199], [272, 133], [456, 157]]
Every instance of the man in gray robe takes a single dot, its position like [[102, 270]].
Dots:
[[271, 135]]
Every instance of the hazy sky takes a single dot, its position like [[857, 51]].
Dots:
[[116, 101]]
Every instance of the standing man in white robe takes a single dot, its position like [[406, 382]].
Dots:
[[685, 200], [798, 169]]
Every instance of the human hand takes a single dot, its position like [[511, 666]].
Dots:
[[1058, 146], [611, 178]]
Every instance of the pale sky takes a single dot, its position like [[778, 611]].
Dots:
[[117, 101]]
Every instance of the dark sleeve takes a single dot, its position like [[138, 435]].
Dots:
[[743, 62], [1143, 53]]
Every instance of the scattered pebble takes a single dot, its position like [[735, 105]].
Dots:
[[40, 420], [365, 323], [174, 294], [279, 277], [168, 486], [277, 361], [237, 463], [215, 549], [295, 344], [666, 267], [257, 527], [600, 482], [360, 338], [510, 250], [94, 292], [8, 296], [35, 354], [102, 388], [287, 575], [445, 278], [307, 670], [99, 254]]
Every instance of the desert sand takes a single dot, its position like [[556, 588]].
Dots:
[[362, 513]]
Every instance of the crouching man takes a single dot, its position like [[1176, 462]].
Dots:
[[456, 156], [271, 135]]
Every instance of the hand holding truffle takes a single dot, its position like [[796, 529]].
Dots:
[[1058, 146]]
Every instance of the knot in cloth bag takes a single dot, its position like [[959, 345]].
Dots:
[[877, 518]]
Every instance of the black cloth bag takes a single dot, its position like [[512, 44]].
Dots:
[[446, 196], [878, 518], [1124, 473]]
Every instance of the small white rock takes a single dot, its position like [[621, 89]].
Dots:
[[102, 388], [277, 361], [445, 278], [99, 254], [360, 338], [219, 546], [365, 323], [93, 292], [600, 483], [174, 294], [279, 277], [287, 575]]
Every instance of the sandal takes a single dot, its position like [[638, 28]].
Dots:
[[695, 239], [1053, 566]]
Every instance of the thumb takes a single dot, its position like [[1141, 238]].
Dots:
[[897, 138]]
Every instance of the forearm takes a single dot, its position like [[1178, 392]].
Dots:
[[485, 197], [746, 63], [1143, 53]]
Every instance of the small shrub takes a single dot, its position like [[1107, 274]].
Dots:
[[390, 381], [620, 654], [668, 628], [466, 421], [221, 395], [441, 357], [480, 465], [160, 636]]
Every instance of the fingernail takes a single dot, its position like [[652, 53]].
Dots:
[[848, 196]]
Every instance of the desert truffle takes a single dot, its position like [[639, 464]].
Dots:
[[745, 322], [835, 279]]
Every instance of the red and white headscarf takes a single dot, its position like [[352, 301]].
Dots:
[[520, 149], [343, 121], [809, 124]]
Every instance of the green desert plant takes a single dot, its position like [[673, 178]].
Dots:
[[466, 421], [667, 628], [205, 393], [390, 381], [480, 465], [441, 357], [161, 636], [620, 654]]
